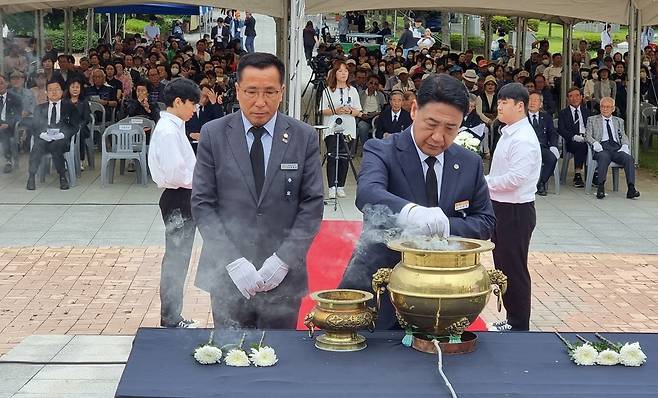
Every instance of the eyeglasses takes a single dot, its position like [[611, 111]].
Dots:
[[253, 93]]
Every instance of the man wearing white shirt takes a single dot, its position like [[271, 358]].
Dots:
[[512, 181], [606, 37], [430, 186], [606, 135], [171, 161]]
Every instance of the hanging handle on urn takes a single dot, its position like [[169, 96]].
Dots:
[[380, 280], [308, 322], [499, 285]]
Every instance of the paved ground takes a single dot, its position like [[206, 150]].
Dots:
[[79, 267]]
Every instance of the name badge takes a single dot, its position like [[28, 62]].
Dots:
[[289, 166], [463, 205]]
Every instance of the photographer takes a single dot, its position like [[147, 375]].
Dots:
[[341, 102]]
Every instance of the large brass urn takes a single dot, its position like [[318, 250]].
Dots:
[[439, 292]]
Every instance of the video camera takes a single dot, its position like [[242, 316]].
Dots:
[[321, 64]]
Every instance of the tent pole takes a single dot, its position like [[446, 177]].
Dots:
[[636, 99], [66, 29], [123, 27], [445, 28], [42, 37], [395, 22], [630, 87], [566, 62], [90, 29], [520, 33], [2, 42], [487, 37], [464, 32]]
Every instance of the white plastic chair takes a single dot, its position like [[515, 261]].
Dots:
[[99, 125], [71, 159], [126, 142], [650, 126], [591, 168]]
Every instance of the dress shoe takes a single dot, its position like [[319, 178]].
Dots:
[[632, 193], [578, 181], [63, 183], [8, 168], [600, 191], [541, 189], [31, 184]]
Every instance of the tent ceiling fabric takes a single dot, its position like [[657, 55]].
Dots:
[[590, 10], [271, 8]]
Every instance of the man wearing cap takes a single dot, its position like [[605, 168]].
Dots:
[[11, 108], [470, 81], [456, 72], [404, 84]]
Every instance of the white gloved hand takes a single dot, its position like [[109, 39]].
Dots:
[[272, 272], [44, 136], [420, 220], [245, 277], [597, 146], [578, 138], [625, 149], [555, 151], [59, 136]]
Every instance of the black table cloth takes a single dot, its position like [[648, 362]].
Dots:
[[504, 365]]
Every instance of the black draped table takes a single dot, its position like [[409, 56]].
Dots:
[[504, 365]]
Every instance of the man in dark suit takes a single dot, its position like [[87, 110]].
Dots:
[[572, 125], [208, 109], [249, 32], [429, 185], [543, 125], [11, 108], [257, 199], [394, 119], [67, 72], [55, 122]]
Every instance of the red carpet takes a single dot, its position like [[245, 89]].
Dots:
[[327, 258]]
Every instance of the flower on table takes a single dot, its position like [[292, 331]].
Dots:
[[263, 356], [208, 354], [608, 357], [632, 355], [237, 357], [584, 355]]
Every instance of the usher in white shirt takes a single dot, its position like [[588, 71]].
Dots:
[[516, 164], [171, 158]]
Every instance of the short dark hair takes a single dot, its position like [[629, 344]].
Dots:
[[54, 81], [515, 92], [572, 89], [261, 61], [184, 89], [445, 89]]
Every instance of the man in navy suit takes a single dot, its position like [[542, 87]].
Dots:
[[572, 124], [427, 183], [543, 125], [393, 119]]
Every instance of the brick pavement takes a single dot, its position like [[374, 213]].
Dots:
[[114, 290]]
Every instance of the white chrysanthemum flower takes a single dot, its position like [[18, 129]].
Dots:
[[608, 358], [263, 356], [584, 355], [473, 142], [632, 355], [236, 357], [207, 355]]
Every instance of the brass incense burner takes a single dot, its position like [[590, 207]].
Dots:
[[340, 313], [439, 293]]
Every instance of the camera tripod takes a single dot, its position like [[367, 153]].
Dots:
[[313, 104], [336, 154]]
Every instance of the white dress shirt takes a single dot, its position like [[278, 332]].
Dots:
[[3, 113], [516, 164], [581, 122], [58, 107], [395, 116], [605, 39], [604, 136], [171, 158], [266, 139]]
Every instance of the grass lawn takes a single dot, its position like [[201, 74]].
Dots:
[[555, 39], [649, 159]]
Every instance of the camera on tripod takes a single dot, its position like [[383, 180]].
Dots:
[[336, 126], [321, 65]]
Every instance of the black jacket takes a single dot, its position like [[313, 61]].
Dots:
[[250, 27], [132, 107], [84, 115], [385, 123], [69, 119], [566, 126], [206, 114], [14, 110], [546, 134]]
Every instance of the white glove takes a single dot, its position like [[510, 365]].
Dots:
[[273, 272], [555, 151], [625, 149], [59, 136], [46, 137], [597, 146], [420, 220], [578, 138], [245, 277]]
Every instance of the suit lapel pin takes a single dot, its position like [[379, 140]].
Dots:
[[455, 166], [285, 137]]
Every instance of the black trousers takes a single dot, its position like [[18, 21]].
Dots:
[[514, 225], [57, 149], [579, 150], [343, 163], [548, 161], [264, 311], [609, 155], [179, 239], [5, 141], [308, 51]]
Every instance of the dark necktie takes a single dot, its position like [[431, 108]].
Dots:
[[2, 103], [576, 118], [611, 135], [395, 118], [53, 114], [258, 158], [431, 186], [535, 122]]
